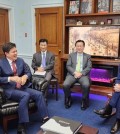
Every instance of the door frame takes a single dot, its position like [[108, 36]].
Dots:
[[11, 20], [34, 23]]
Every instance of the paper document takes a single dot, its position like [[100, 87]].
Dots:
[[61, 125], [40, 73]]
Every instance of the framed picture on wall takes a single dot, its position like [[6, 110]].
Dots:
[[95, 42], [74, 7], [116, 5], [86, 6], [103, 6]]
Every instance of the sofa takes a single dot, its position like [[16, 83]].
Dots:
[[8, 108]]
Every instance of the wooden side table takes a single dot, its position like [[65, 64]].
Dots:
[[46, 132], [88, 130]]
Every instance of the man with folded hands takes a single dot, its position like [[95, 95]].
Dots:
[[113, 103], [78, 70], [14, 78], [43, 61]]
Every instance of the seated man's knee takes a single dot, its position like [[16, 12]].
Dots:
[[66, 85], [85, 86], [40, 96], [25, 97], [39, 93]]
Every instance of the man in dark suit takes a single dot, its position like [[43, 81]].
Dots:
[[113, 103], [44, 61], [78, 67], [14, 77]]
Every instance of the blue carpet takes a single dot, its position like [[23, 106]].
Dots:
[[57, 108]]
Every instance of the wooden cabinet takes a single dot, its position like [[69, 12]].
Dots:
[[98, 16], [94, 18]]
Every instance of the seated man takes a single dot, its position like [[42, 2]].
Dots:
[[113, 103], [14, 77], [78, 67], [44, 61]]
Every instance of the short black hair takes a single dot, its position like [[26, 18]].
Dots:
[[43, 40], [80, 41], [8, 46]]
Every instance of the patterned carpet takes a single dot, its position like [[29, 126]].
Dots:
[[87, 117]]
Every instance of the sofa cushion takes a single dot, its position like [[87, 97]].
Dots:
[[11, 107], [8, 108]]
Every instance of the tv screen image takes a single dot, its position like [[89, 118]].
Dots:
[[100, 41]]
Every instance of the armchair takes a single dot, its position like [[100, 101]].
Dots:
[[8, 110], [52, 85]]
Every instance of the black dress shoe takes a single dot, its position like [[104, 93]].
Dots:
[[21, 129], [115, 127], [84, 104], [68, 102], [107, 112], [99, 112]]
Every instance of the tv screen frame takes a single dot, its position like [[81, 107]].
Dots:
[[100, 41]]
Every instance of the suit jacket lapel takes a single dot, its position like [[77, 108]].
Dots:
[[84, 56], [75, 58], [18, 67], [7, 65], [40, 58], [47, 57]]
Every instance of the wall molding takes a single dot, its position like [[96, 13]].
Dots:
[[25, 56], [48, 5]]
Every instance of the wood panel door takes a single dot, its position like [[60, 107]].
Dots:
[[4, 29], [49, 25]]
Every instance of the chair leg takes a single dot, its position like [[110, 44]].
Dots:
[[56, 92], [52, 90], [5, 122], [45, 96]]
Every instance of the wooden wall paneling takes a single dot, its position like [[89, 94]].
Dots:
[[4, 29], [49, 25]]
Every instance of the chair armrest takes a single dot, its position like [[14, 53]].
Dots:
[[112, 80], [2, 96], [1, 90]]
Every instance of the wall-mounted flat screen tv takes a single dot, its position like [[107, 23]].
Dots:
[[100, 41]]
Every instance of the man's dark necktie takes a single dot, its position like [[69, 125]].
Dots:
[[15, 73]]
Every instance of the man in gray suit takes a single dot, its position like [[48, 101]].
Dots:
[[78, 67], [44, 61]]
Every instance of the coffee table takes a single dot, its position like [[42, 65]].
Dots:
[[85, 129]]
